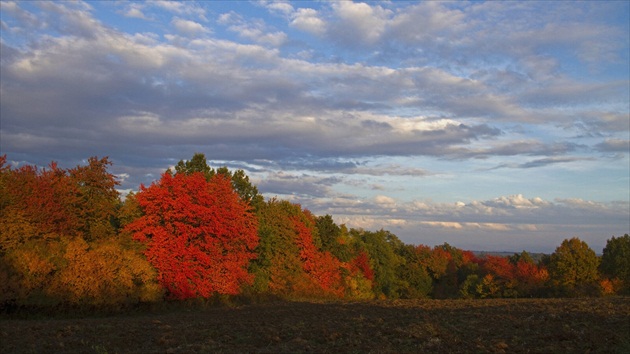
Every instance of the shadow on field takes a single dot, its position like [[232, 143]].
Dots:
[[442, 326]]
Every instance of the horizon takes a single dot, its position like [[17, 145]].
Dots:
[[486, 125]]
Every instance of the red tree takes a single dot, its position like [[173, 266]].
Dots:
[[321, 267], [362, 262], [199, 235]]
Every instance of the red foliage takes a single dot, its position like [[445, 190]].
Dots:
[[200, 236], [469, 257], [46, 198], [437, 261], [530, 276], [321, 267], [499, 267], [362, 262]]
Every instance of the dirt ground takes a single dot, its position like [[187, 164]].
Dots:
[[600, 325]]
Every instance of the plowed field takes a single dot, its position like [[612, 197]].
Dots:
[[403, 326]]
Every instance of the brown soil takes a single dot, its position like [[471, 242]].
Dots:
[[401, 326]]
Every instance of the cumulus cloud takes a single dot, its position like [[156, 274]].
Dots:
[[134, 10], [308, 20], [180, 8], [432, 98], [281, 7], [359, 22], [189, 28]]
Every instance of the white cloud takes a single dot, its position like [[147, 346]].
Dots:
[[180, 8], [518, 201], [134, 10], [459, 94], [359, 22], [256, 30], [188, 27], [281, 7], [308, 20], [427, 21], [385, 200]]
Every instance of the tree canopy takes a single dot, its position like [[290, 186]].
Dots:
[[66, 238], [616, 260], [573, 267], [198, 232]]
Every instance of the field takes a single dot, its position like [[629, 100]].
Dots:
[[418, 326]]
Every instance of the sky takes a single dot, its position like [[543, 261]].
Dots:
[[495, 126]]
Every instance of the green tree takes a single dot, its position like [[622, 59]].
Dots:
[[616, 260], [521, 257], [99, 199], [247, 191], [290, 262], [198, 163], [380, 246], [334, 238], [415, 281], [573, 268]]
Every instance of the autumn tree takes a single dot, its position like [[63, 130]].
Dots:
[[321, 267], [573, 268], [247, 191], [58, 241], [98, 199], [616, 261], [199, 234], [290, 260], [444, 264], [37, 204], [415, 281], [530, 277], [384, 261], [334, 238]]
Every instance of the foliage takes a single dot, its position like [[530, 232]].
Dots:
[[616, 261], [384, 261], [240, 181], [98, 199], [67, 239], [573, 268], [414, 278], [334, 238], [199, 234], [59, 243], [290, 261]]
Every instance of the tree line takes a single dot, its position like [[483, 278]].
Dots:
[[68, 239]]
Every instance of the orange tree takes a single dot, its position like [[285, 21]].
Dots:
[[59, 242], [199, 235]]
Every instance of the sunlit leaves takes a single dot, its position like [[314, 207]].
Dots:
[[199, 234], [59, 243], [573, 267], [67, 239]]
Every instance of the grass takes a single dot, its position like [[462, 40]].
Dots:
[[589, 325]]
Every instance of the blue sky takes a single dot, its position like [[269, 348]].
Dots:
[[487, 125]]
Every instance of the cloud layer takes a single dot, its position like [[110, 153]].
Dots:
[[365, 111]]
